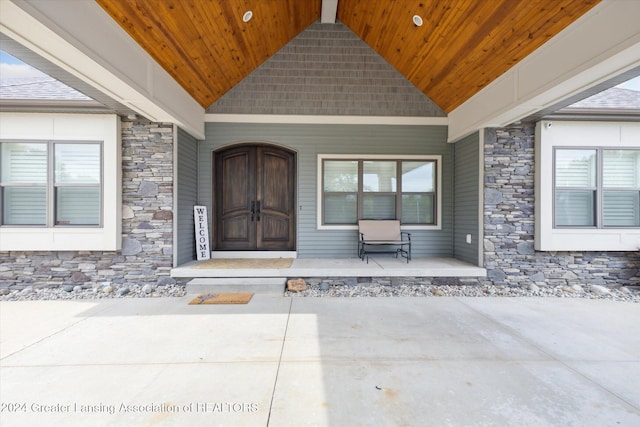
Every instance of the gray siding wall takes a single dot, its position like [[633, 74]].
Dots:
[[187, 187], [311, 140], [467, 198], [327, 70]]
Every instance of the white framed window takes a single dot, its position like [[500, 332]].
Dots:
[[60, 182], [352, 187], [50, 183], [587, 186], [596, 187]]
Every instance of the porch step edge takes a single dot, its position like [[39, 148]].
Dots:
[[258, 285]]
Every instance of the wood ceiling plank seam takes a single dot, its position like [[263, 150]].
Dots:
[[464, 38], [385, 35], [302, 15], [181, 36], [251, 45], [358, 16], [215, 30], [431, 33], [224, 42], [278, 28], [217, 79], [440, 42], [417, 38], [406, 39], [217, 74]]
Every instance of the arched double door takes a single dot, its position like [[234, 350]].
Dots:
[[254, 193]]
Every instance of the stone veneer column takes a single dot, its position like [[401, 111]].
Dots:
[[509, 222], [147, 201], [147, 224]]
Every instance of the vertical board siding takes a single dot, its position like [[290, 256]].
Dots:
[[187, 185], [309, 141], [467, 198], [326, 70]]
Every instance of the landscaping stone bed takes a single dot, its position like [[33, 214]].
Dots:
[[354, 289], [336, 288]]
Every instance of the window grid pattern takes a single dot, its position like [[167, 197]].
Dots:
[[50, 183], [596, 187], [379, 189]]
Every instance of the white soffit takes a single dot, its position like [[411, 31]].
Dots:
[[82, 39], [602, 44]]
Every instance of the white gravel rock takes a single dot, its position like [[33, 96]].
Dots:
[[97, 292], [599, 290], [337, 289], [420, 290]]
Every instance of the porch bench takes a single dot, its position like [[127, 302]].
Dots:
[[383, 233]]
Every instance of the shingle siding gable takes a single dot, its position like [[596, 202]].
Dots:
[[326, 70]]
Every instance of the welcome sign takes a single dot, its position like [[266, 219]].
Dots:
[[202, 232]]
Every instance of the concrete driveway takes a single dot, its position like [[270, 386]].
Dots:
[[320, 361]]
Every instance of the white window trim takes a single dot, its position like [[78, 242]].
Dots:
[[552, 134], [71, 127], [437, 158]]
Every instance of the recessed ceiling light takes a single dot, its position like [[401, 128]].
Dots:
[[417, 20], [247, 16]]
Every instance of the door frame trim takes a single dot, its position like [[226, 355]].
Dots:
[[214, 211]]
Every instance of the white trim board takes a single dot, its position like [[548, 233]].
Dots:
[[333, 120]]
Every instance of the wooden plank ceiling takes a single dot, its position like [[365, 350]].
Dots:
[[462, 46]]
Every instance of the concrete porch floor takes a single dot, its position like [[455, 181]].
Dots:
[[378, 266], [281, 361]]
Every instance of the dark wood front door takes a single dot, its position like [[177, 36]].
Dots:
[[255, 200]]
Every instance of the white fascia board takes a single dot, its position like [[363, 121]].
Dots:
[[328, 120], [602, 44], [82, 39]]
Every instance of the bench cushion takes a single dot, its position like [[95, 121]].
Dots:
[[380, 232]]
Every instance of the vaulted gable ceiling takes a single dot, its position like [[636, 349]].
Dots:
[[205, 45], [462, 46]]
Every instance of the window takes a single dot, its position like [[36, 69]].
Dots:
[[50, 183], [587, 188], [379, 188], [597, 187]]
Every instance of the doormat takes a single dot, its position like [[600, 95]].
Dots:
[[242, 263], [222, 298]]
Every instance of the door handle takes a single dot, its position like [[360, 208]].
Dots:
[[258, 210], [253, 211]]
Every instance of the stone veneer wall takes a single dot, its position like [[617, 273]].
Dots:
[[147, 224], [510, 257]]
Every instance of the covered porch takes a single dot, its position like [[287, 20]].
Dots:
[[378, 266]]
